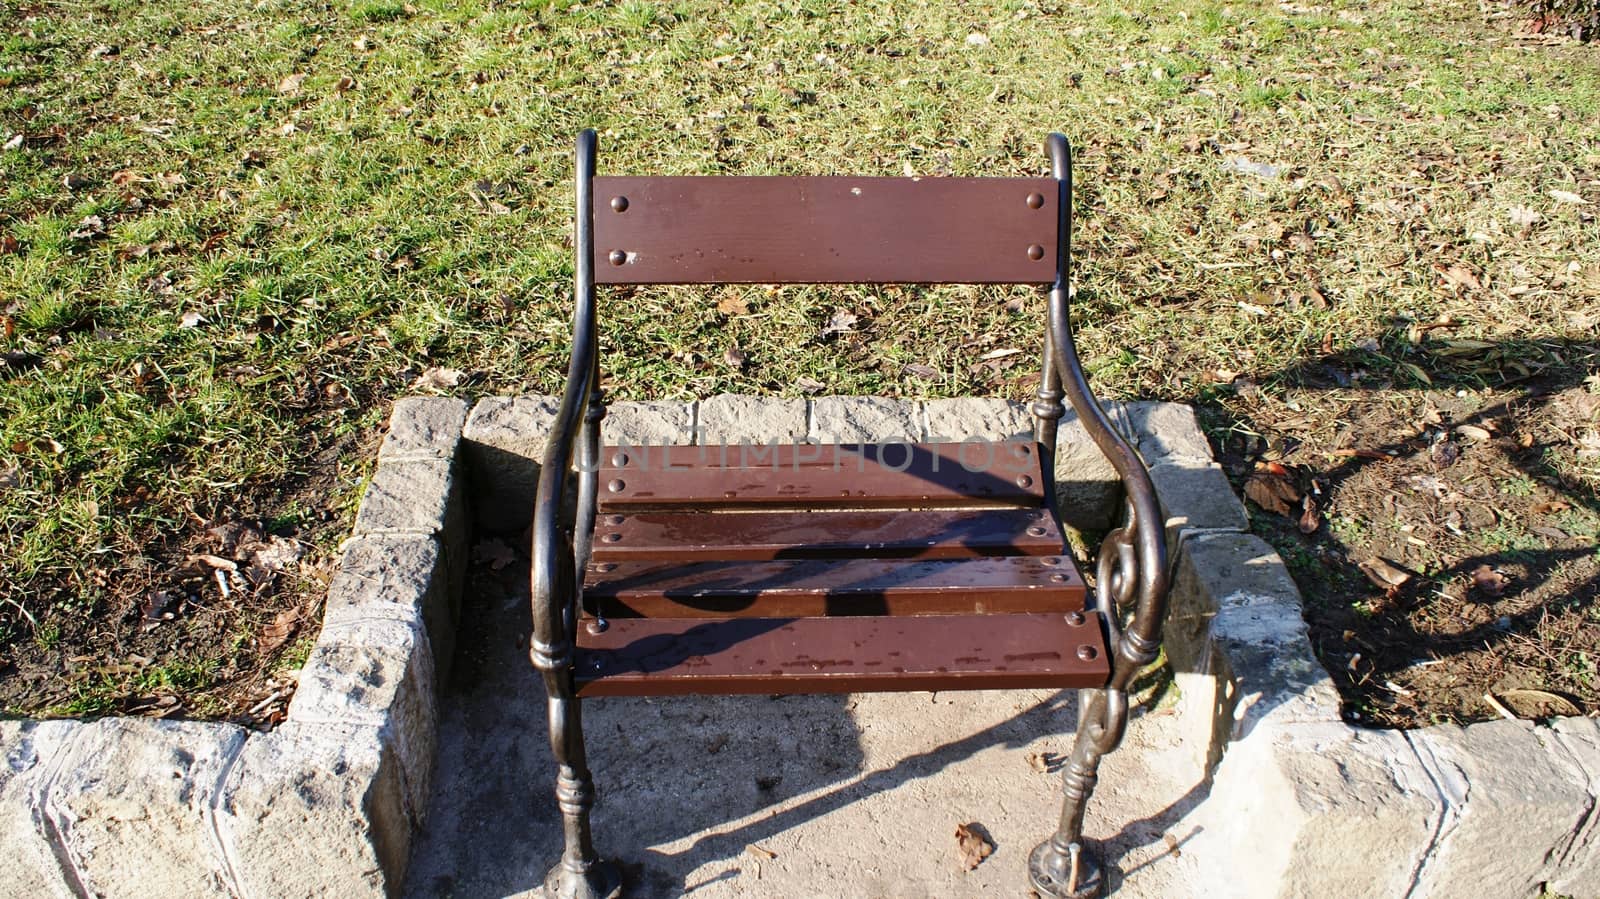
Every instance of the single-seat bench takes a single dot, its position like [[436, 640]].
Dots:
[[807, 568]]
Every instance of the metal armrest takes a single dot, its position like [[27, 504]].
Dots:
[[562, 529], [1132, 563]]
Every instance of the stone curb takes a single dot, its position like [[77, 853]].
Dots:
[[324, 805], [328, 803], [1302, 801]]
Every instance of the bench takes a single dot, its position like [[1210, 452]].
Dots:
[[814, 568]]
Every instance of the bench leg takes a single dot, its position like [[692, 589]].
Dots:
[[581, 874], [1062, 867]]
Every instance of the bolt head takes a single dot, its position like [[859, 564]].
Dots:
[[617, 257], [1087, 653], [1035, 200], [1035, 252], [620, 204], [617, 485]]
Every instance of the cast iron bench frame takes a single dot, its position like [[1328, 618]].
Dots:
[[1130, 591]]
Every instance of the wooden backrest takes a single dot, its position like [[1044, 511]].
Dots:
[[815, 230]]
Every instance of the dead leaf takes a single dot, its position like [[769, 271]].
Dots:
[[1567, 196], [1474, 432], [999, 354], [291, 84], [842, 322], [971, 845], [1308, 515], [809, 385], [1271, 488], [734, 358], [1491, 582], [1459, 275], [922, 371], [440, 379], [191, 319], [1551, 508], [344, 84], [494, 552], [9, 244], [90, 227], [1523, 217], [279, 631], [733, 304], [268, 557], [761, 852], [1384, 573]]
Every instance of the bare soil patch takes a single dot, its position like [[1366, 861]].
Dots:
[[1445, 539]]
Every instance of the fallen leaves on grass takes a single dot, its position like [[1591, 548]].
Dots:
[[1567, 196], [290, 85], [733, 304], [91, 227], [972, 847]]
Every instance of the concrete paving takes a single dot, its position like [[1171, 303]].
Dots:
[[841, 796]]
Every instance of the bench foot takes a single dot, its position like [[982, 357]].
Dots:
[[1069, 872], [601, 880]]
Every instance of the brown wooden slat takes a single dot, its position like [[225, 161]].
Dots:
[[822, 476], [663, 656], [743, 536], [824, 230], [818, 587]]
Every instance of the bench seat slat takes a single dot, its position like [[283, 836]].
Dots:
[[816, 587], [665, 656], [898, 534], [821, 476]]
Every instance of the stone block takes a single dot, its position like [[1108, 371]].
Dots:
[[375, 672], [317, 810], [134, 807], [1299, 809], [968, 418], [1088, 491], [1235, 620], [424, 427], [1166, 432], [1514, 798], [648, 424], [1576, 870], [1196, 497], [734, 418], [408, 497], [863, 419], [31, 758], [504, 442], [402, 578]]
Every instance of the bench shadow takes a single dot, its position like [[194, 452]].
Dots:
[[720, 772]]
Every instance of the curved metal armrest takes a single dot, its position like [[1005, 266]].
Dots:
[[1132, 564], [561, 528]]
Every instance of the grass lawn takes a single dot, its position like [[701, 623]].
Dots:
[[231, 233]]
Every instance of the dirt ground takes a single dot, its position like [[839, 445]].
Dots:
[[1444, 538], [212, 621]]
